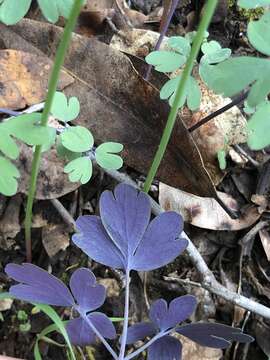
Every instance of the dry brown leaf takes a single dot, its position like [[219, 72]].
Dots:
[[265, 239], [24, 78], [55, 237], [52, 183], [117, 104], [193, 351], [205, 212], [10, 222]]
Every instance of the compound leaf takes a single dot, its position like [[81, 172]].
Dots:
[[165, 61], [80, 169], [213, 52], [106, 158], [64, 109], [8, 177], [77, 139], [259, 128], [258, 34], [12, 11]]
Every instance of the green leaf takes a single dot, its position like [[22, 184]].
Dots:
[[26, 128], [165, 61], [192, 93], [258, 34], [80, 169], [77, 139], [51, 139], [180, 44], [64, 109], [258, 128], [53, 9], [64, 152], [213, 52], [253, 4], [106, 158], [8, 177], [49, 311], [7, 145], [235, 74], [221, 155], [12, 11], [5, 295]]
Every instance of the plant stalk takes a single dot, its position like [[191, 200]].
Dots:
[[59, 60], [204, 23], [125, 324]]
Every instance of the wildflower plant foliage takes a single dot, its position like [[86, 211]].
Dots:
[[123, 237]]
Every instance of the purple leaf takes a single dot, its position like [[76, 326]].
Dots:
[[179, 310], [86, 291], [160, 244], [125, 215], [213, 335], [165, 348], [96, 243], [81, 334], [122, 239], [38, 286], [140, 331]]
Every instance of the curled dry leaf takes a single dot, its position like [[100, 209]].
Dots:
[[24, 78], [137, 115], [205, 212], [265, 239]]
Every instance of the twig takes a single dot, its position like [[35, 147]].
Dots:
[[220, 111], [246, 155], [63, 212]]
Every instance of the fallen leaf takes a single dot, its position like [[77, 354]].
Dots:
[[193, 351], [108, 87], [52, 182], [24, 79], [5, 304], [55, 237], [205, 212], [10, 222], [262, 332]]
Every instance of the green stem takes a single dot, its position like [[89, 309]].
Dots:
[[59, 60], [206, 19]]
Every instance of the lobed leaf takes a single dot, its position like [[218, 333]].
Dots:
[[213, 52], [77, 139], [106, 158], [253, 4], [7, 145], [165, 61], [258, 34], [122, 239], [64, 109], [12, 11], [235, 74], [79, 169], [180, 44], [166, 348], [8, 177], [258, 128], [53, 9]]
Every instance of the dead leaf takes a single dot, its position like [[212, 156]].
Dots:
[[24, 79], [262, 332], [55, 237], [117, 104], [10, 222], [205, 212], [193, 351], [265, 239], [5, 304], [52, 182]]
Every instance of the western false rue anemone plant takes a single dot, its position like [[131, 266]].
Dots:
[[124, 238]]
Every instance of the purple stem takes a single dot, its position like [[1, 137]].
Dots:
[[162, 34]]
